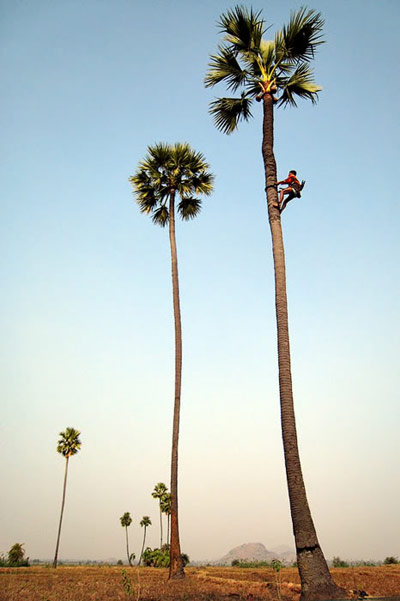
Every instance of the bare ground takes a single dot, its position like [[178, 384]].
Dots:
[[201, 584]]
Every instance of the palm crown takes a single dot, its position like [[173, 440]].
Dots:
[[248, 62], [69, 443], [159, 491], [167, 169], [165, 503], [145, 521], [126, 520]]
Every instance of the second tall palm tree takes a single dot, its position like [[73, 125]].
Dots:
[[169, 172]]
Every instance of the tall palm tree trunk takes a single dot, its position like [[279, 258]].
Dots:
[[62, 512], [316, 581], [176, 566], [141, 553]]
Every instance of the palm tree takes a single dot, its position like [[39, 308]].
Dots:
[[275, 72], [126, 521], [169, 171], [158, 493], [144, 522], [68, 445], [166, 508]]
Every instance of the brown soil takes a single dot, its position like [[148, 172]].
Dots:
[[201, 584]]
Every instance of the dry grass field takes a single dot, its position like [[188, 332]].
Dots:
[[202, 584]]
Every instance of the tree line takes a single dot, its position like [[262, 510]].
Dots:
[[158, 557], [69, 445]]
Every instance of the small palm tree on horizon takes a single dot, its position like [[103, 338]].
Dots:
[[170, 172], [68, 445], [145, 522], [275, 72], [126, 521], [159, 492], [165, 506]]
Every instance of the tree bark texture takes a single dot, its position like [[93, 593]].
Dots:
[[144, 540], [176, 567], [62, 512], [316, 581]]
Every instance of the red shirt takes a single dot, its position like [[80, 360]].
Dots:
[[291, 179]]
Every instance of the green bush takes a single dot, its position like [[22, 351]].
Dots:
[[339, 563], [159, 558], [16, 557], [391, 561], [241, 563]]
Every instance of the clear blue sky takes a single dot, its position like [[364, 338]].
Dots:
[[86, 307]]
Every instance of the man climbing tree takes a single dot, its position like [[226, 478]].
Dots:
[[292, 191]]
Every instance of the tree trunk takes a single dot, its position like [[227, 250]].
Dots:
[[141, 554], [62, 512], [316, 581], [175, 566], [127, 545], [160, 525]]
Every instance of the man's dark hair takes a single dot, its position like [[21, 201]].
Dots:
[[293, 171]]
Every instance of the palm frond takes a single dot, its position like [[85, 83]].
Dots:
[[225, 66], [159, 156], [203, 183], [189, 208], [267, 52], [301, 84], [298, 40], [243, 28], [160, 216], [227, 112]]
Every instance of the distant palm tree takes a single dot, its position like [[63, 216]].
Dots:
[[275, 71], [166, 508], [68, 445], [168, 172], [144, 522], [158, 493], [126, 521]]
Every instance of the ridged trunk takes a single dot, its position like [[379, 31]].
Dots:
[[316, 581], [62, 512], [176, 567]]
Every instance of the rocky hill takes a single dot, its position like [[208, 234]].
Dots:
[[257, 552]]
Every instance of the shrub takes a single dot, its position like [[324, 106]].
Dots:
[[339, 563], [159, 558], [16, 556], [390, 561], [242, 563]]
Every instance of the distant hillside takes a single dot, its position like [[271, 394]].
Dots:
[[257, 552]]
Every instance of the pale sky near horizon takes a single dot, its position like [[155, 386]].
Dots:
[[86, 306]]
